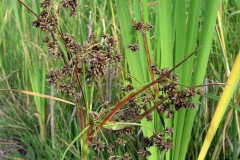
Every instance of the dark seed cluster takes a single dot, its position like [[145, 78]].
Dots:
[[129, 87], [45, 3], [47, 21], [101, 146], [70, 4], [133, 47], [125, 130], [54, 77], [126, 156], [113, 158], [159, 140], [92, 58], [144, 153], [96, 56], [69, 89], [121, 141], [141, 27], [89, 60], [169, 85]]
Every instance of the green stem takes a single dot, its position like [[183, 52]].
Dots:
[[84, 148]]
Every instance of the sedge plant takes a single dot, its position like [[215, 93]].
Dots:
[[151, 95], [87, 63]]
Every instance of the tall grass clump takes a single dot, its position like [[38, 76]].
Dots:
[[85, 65], [129, 72], [179, 26]]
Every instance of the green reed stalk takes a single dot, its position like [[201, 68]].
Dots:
[[38, 82], [206, 35], [191, 32], [180, 27], [137, 66], [173, 25]]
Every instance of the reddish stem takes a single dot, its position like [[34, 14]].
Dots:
[[29, 9], [150, 110], [148, 54]]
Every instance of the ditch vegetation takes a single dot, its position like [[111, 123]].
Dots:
[[136, 79]]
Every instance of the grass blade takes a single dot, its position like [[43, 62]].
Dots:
[[206, 36], [228, 91], [191, 37]]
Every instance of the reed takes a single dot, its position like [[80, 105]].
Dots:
[[106, 60]]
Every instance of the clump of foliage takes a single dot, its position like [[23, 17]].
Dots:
[[85, 65]]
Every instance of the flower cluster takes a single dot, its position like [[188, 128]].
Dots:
[[101, 146], [141, 27], [169, 85], [90, 60], [70, 4]]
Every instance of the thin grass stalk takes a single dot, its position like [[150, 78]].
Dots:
[[4, 21], [217, 149], [37, 80], [235, 136], [152, 59], [52, 117], [44, 109], [222, 41], [157, 40], [39, 95], [226, 125]]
